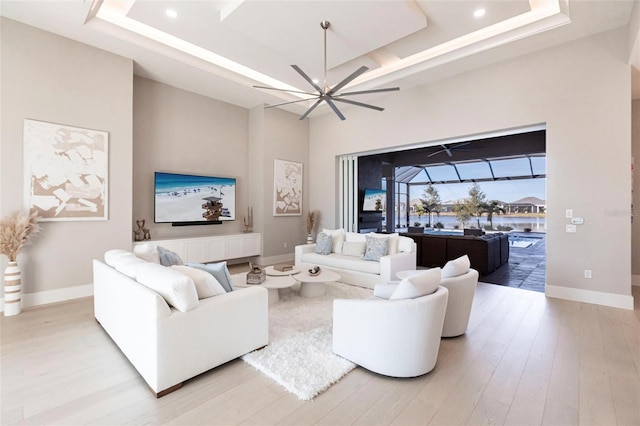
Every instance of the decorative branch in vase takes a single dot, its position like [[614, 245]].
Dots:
[[248, 220], [309, 224], [16, 231]]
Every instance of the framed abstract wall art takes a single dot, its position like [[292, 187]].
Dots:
[[287, 188], [66, 171]]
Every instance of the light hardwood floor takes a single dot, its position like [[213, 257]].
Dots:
[[525, 359]]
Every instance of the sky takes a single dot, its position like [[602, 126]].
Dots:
[[506, 190]]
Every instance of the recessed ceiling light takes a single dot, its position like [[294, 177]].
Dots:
[[171, 13], [479, 12]]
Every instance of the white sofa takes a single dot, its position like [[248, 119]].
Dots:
[[352, 268], [168, 346]]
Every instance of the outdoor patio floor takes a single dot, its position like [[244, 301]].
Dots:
[[526, 268]]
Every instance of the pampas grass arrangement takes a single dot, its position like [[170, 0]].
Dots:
[[16, 230], [310, 221]]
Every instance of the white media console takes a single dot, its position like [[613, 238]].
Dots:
[[211, 248]]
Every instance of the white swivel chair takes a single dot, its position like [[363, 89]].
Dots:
[[461, 281], [398, 338], [461, 291]]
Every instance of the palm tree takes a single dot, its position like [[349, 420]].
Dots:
[[477, 202], [493, 207], [431, 202]]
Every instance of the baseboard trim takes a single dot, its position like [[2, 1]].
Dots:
[[272, 260], [53, 296], [589, 296], [635, 280]]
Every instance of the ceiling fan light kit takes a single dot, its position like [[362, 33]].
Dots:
[[328, 94]]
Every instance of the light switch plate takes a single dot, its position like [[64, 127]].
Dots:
[[568, 213], [571, 228]]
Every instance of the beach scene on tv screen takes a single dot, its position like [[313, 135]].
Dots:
[[373, 200], [182, 198]]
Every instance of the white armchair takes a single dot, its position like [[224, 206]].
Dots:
[[398, 338], [461, 291]]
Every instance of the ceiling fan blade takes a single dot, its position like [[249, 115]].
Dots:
[[435, 153], [303, 116], [335, 108], [349, 101], [286, 90], [306, 77], [287, 103], [348, 80], [364, 92]]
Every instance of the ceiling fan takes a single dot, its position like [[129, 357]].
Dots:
[[448, 149], [327, 93]]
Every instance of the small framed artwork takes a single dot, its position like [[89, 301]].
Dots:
[[287, 188], [66, 171]]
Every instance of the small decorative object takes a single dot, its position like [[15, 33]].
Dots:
[[248, 220], [309, 224], [283, 267], [16, 231], [314, 271], [141, 233], [212, 208], [257, 275]]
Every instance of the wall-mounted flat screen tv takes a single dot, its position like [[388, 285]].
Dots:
[[374, 200], [189, 199]]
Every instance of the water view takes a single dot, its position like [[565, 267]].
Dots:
[[518, 223]]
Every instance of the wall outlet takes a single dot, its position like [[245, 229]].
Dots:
[[568, 213], [587, 273], [571, 228], [285, 245]]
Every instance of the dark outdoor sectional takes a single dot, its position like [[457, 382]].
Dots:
[[486, 253]]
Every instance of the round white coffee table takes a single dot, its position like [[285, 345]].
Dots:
[[271, 283], [314, 285], [275, 273]]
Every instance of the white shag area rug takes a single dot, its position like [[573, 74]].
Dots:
[[299, 356]]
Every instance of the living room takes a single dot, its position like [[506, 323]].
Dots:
[[580, 90]]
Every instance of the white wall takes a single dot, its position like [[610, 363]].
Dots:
[[176, 130], [50, 78], [581, 91], [635, 135], [285, 138], [179, 131]]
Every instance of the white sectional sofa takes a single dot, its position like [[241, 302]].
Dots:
[[168, 345], [347, 260]]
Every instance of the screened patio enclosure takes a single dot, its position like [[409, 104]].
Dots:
[[510, 158]]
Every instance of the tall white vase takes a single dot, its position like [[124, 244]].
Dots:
[[12, 289]]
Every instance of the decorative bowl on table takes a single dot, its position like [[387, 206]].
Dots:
[[314, 271]]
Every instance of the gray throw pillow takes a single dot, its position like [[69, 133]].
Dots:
[[219, 271], [168, 257], [375, 248], [323, 243]]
